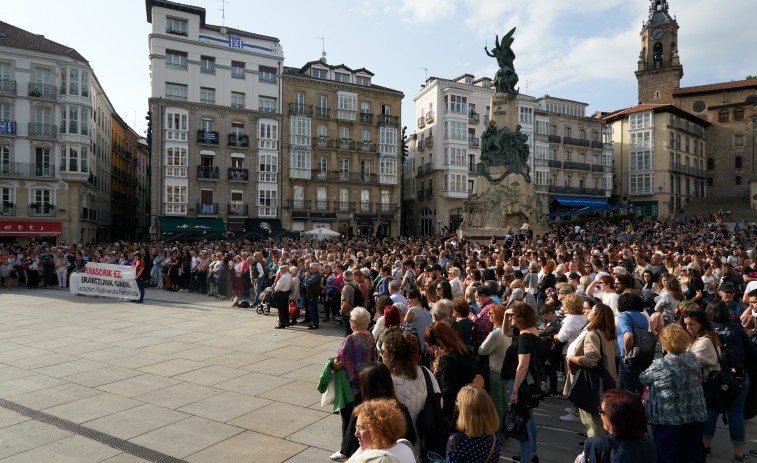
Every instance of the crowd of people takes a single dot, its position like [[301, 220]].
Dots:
[[488, 331]]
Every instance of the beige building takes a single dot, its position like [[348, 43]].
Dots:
[[659, 152], [341, 151]]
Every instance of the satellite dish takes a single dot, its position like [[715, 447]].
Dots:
[[223, 30]]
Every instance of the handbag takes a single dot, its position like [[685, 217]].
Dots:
[[515, 425], [590, 384], [433, 427]]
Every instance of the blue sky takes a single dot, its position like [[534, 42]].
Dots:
[[578, 49]]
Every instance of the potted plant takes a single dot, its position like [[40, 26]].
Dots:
[[34, 205], [8, 204]]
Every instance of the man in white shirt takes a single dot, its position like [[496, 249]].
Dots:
[[394, 293], [283, 289]]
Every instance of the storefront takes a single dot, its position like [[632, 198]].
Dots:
[[21, 230]]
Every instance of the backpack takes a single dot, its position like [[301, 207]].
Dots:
[[413, 281], [643, 350], [722, 388], [433, 427], [357, 296]]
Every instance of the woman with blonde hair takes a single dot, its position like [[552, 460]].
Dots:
[[476, 440]]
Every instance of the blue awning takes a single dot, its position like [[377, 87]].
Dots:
[[572, 201]]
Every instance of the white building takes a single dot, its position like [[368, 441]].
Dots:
[[215, 105]]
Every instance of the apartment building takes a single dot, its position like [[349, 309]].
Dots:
[[215, 109], [341, 151], [54, 142]]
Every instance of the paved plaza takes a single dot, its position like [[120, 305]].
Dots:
[[181, 377]]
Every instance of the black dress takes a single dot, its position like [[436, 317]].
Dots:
[[455, 371]]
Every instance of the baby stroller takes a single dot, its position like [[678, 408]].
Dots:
[[266, 301]]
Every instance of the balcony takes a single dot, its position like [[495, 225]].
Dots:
[[366, 147], [386, 208], [7, 87], [321, 205], [486, 119], [473, 142], [472, 167], [429, 117], [366, 118], [323, 142], [39, 130], [575, 142], [321, 112], [576, 190], [383, 119], [576, 166], [237, 209], [429, 141], [429, 192], [365, 206], [41, 210], [240, 141], [207, 172], [351, 177], [608, 169], [597, 145], [298, 109], [299, 204], [7, 210], [597, 168], [48, 92], [421, 144], [553, 138], [678, 168], [210, 138], [686, 126], [473, 117], [27, 169], [237, 174], [207, 209], [344, 206], [421, 122], [553, 163], [420, 194], [346, 145], [541, 137]]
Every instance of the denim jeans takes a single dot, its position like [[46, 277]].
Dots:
[[682, 442], [528, 447], [311, 305], [629, 374], [346, 324], [258, 290], [141, 286], [735, 418]]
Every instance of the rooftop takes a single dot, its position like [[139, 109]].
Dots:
[[723, 86], [19, 38], [657, 108]]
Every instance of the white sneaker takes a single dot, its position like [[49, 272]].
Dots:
[[570, 417], [569, 409]]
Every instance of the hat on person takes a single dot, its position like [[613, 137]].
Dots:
[[376, 456], [727, 287], [693, 266], [347, 276], [518, 294]]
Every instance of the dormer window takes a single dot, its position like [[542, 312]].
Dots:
[[342, 77], [318, 73], [469, 80], [366, 81], [176, 26]]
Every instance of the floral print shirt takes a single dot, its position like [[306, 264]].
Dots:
[[356, 351]]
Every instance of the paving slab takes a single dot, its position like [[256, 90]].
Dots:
[[179, 395], [279, 420], [136, 421], [53, 396], [302, 393], [137, 385], [105, 375], [253, 383], [9, 418], [172, 367], [225, 406], [74, 449], [210, 375], [28, 435], [248, 447], [187, 436], [33, 382], [70, 368], [92, 407]]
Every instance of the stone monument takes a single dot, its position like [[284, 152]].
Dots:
[[503, 195]]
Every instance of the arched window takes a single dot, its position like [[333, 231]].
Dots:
[[710, 164], [657, 51], [709, 181], [737, 162], [738, 180]]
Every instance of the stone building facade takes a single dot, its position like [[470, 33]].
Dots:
[[341, 151]]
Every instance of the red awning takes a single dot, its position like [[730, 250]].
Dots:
[[22, 228]]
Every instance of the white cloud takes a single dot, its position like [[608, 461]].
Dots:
[[427, 11]]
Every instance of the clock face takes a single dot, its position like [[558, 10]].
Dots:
[[658, 33]]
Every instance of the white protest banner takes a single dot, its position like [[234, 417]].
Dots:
[[107, 280]]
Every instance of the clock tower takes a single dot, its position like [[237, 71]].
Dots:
[[659, 68]]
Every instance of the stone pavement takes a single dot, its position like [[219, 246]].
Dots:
[[181, 377]]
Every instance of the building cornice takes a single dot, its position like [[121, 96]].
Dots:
[[334, 85]]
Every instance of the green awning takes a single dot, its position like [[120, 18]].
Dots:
[[196, 226]]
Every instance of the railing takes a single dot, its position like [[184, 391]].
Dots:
[[429, 141], [421, 121], [237, 209], [472, 167], [686, 126], [365, 206], [473, 142], [207, 137], [597, 144], [383, 119], [299, 204], [429, 192], [7, 210], [344, 206], [321, 205], [238, 174], [207, 172], [239, 140], [553, 163], [207, 209], [424, 169], [346, 145], [41, 210], [385, 208], [367, 147], [553, 138], [49, 92], [575, 141], [421, 144], [597, 168], [27, 169], [301, 109], [322, 142], [430, 116], [576, 190], [353, 177], [687, 170], [321, 112], [473, 117], [366, 118], [37, 129], [576, 165], [8, 86]]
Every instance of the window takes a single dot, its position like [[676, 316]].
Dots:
[[321, 131], [344, 169], [299, 163], [322, 106], [5, 112], [737, 162], [454, 157], [346, 106], [5, 159], [237, 100], [738, 180], [321, 195], [456, 130], [176, 126], [176, 161], [237, 70], [525, 115], [365, 170], [207, 65], [639, 140], [299, 131], [176, 199], [267, 104], [268, 135], [344, 133], [7, 196], [365, 81], [268, 167], [176, 26], [176, 92], [568, 132], [44, 198], [455, 183], [738, 114], [388, 140], [69, 158], [365, 200], [84, 123], [267, 203], [388, 170], [738, 140], [342, 77], [365, 107], [207, 95], [641, 183], [176, 59], [723, 116], [456, 104], [710, 164], [208, 125], [640, 120], [267, 75], [322, 166], [640, 161], [365, 136]]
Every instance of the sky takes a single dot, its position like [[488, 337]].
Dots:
[[583, 50]]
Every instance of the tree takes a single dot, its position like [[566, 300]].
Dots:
[[750, 77]]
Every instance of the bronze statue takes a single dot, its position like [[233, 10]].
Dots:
[[505, 79], [504, 147]]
